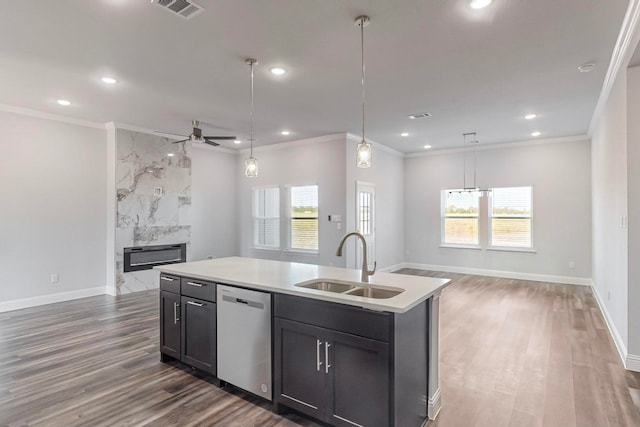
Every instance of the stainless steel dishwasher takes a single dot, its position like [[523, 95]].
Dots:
[[244, 339]]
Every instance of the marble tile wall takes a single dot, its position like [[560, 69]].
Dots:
[[153, 200]]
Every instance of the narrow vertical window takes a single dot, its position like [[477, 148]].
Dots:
[[460, 217], [266, 218], [511, 217], [304, 218]]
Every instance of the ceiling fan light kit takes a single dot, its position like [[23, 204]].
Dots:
[[251, 164], [196, 136]]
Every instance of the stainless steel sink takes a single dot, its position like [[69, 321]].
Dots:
[[327, 286], [377, 293], [354, 288]]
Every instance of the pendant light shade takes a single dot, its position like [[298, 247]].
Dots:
[[363, 150], [251, 164]]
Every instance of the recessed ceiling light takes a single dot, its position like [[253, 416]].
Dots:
[[530, 116], [536, 133], [237, 141], [170, 154], [427, 147], [64, 102], [278, 71], [419, 115], [585, 68], [479, 4], [404, 134], [109, 80], [285, 132]]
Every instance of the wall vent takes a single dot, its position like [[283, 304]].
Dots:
[[183, 8]]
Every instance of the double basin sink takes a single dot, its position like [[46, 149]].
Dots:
[[355, 289]]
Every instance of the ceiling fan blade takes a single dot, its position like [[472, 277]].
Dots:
[[210, 142], [221, 138], [184, 140]]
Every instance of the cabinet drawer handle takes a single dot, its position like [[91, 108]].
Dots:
[[197, 304], [326, 357], [318, 362], [168, 279], [195, 284], [175, 313]]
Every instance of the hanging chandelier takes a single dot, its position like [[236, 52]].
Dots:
[[363, 150], [470, 139], [251, 164]]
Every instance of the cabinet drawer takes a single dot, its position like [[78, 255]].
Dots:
[[170, 283], [339, 317], [196, 288]]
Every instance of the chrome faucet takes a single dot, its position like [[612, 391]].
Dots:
[[365, 266]]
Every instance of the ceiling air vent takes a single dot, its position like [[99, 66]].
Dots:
[[419, 115], [185, 9]]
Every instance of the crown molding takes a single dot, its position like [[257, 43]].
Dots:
[[515, 144], [50, 116], [356, 138], [297, 143], [622, 52]]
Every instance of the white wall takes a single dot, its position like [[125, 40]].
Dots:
[[316, 161], [387, 173], [633, 202], [53, 216], [609, 182], [214, 231], [559, 173]]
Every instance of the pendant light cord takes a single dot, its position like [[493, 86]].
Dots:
[[362, 52], [251, 62]]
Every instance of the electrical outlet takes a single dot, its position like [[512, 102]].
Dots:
[[572, 265], [339, 225], [54, 278]]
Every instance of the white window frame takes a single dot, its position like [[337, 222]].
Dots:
[[255, 218], [490, 217], [289, 219], [443, 217]]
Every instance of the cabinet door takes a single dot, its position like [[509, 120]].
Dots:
[[170, 324], [358, 381], [299, 366], [199, 334]]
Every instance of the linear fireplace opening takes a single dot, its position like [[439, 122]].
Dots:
[[146, 257]]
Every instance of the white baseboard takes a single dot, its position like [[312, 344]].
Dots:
[[110, 290], [633, 362], [433, 405], [617, 338], [49, 299], [569, 280]]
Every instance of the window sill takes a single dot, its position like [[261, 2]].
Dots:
[[265, 249], [301, 252], [452, 246], [509, 249]]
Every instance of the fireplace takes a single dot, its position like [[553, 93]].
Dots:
[[146, 257]]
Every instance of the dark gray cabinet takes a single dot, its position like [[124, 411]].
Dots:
[[347, 366], [188, 321]]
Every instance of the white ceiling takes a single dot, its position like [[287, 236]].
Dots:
[[474, 70]]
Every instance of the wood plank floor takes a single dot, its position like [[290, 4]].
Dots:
[[513, 353]]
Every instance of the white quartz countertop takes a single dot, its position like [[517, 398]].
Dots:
[[281, 277]]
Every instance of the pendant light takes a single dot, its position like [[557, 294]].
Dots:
[[251, 164], [363, 150], [471, 188]]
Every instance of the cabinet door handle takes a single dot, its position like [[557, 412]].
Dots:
[[195, 284], [175, 313], [168, 279], [197, 304], [326, 357], [318, 362]]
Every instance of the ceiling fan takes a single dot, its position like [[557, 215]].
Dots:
[[196, 136]]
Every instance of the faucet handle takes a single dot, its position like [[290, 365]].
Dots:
[[372, 272]]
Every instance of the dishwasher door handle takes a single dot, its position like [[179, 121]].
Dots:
[[245, 302]]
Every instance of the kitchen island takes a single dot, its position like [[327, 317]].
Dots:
[[338, 354]]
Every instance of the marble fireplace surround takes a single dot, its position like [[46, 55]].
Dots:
[[152, 201]]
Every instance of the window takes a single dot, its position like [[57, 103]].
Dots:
[[304, 218], [511, 217], [366, 213], [460, 217], [266, 218]]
